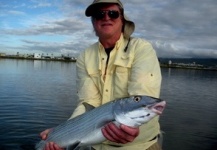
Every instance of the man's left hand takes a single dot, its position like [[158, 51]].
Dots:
[[122, 134]]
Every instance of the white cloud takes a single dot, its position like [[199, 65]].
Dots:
[[175, 28], [66, 26]]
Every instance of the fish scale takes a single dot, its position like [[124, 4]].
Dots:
[[92, 118]]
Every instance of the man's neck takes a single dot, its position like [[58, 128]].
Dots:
[[109, 42]]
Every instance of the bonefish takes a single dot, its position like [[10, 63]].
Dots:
[[85, 130]]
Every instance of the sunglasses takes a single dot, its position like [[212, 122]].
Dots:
[[113, 14]]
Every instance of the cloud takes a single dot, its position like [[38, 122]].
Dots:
[[57, 27], [69, 46], [179, 50], [5, 13], [12, 12], [183, 28], [175, 28], [49, 47]]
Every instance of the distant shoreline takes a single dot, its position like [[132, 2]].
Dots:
[[46, 59], [187, 67], [162, 65]]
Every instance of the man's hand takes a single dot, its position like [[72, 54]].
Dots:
[[50, 145], [122, 134]]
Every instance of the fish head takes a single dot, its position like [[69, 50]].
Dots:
[[135, 102], [137, 110]]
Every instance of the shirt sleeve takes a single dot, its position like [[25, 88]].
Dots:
[[145, 77], [86, 89]]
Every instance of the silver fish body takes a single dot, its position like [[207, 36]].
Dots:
[[85, 130]]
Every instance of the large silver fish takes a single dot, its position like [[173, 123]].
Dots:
[[85, 130]]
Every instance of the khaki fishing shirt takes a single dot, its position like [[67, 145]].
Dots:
[[131, 70]]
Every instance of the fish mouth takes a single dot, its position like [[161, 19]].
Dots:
[[159, 107]]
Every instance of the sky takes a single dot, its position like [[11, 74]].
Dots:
[[176, 28]]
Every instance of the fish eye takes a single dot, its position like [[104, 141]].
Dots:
[[137, 99]]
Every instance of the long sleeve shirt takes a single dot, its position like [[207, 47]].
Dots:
[[131, 71]]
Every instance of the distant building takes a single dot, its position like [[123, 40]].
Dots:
[[2, 54], [36, 55]]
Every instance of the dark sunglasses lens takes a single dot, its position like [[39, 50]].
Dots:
[[99, 15], [113, 14]]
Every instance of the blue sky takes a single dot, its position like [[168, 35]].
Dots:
[[176, 28]]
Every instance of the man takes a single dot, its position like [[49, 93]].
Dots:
[[114, 67]]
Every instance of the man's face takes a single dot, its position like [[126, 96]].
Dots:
[[108, 25]]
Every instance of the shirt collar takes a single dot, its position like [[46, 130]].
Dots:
[[117, 44]]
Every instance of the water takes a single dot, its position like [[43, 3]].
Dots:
[[36, 95], [190, 120]]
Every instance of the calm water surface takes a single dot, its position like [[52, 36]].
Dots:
[[36, 95]]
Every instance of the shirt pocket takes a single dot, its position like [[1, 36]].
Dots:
[[121, 81]]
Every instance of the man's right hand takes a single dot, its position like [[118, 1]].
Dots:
[[49, 145]]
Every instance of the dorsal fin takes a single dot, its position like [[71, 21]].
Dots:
[[88, 107]]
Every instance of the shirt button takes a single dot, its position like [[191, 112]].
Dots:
[[103, 58], [106, 90]]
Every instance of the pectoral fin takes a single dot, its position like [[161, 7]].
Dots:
[[88, 107], [74, 146]]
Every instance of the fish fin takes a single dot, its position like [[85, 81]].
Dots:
[[88, 107], [74, 146], [85, 148]]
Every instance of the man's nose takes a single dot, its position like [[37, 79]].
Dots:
[[106, 17]]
